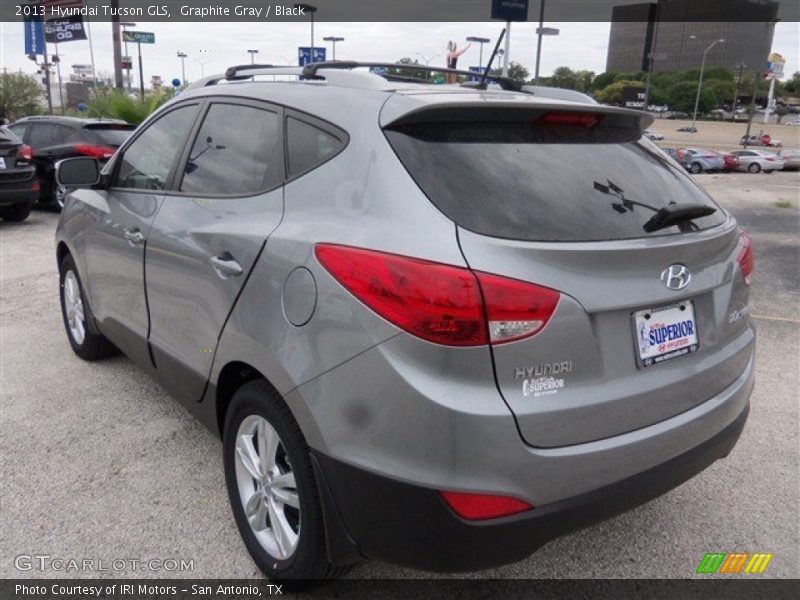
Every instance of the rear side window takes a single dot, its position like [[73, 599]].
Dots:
[[147, 162], [309, 146], [510, 180], [43, 135], [111, 136], [237, 151]]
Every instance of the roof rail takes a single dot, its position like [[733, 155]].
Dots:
[[310, 71]]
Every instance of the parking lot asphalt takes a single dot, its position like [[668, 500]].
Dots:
[[96, 460]]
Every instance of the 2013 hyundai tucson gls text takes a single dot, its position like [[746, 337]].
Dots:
[[434, 325]]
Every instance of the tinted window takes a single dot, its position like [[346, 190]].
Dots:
[[148, 160], [308, 146], [111, 136], [19, 129], [43, 135], [7, 136], [509, 180], [237, 151]]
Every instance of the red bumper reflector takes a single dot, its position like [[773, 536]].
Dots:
[[477, 507]]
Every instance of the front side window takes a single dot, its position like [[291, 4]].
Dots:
[[148, 160], [237, 151]]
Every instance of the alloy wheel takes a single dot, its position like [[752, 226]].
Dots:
[[267, 487], [73, 306]]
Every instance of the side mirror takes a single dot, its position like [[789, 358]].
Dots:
[[83, 171]]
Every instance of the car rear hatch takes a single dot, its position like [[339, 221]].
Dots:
[[649, 321], [13, 165]]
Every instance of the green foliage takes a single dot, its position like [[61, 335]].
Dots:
[[603, 80], [564, 77], [723, 90], [20, 96], [515, 71], [792, 86], [613, 93], [119, 105], [682, 98]]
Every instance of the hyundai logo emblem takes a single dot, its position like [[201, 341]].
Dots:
[[676, 277]]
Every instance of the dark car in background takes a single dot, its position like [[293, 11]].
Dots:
[[54, 138], [19, 186]]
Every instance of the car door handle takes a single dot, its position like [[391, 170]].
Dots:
[[134, 236], [225, 265]]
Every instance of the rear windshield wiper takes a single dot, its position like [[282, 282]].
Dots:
[[674, 214]]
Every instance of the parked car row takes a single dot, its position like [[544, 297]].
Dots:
[[699, 160], [31, 147]]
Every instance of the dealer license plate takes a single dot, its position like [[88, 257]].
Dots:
[[665, 333]]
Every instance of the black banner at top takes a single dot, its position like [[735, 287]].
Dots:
[[403, 10], [60, 31]]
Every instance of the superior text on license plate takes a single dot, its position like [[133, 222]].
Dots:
[[665, 333]]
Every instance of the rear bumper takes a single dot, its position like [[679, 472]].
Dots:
[[18, 187], [12, 196], [378, 517]]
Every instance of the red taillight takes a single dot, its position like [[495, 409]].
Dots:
[[587, 120], [94, 150], [25, 152], [746, 258], [515, 309], [475, 507], [36, 186], [440, 303]]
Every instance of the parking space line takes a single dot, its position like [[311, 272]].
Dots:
[[783, 319]]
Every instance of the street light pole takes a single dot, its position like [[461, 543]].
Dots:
[[333, 39], [309, 9], [700, 81], [183, 56], [479, 40], [127, 56], [252, 54]]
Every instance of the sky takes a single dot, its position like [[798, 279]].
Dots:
[[219, 45]]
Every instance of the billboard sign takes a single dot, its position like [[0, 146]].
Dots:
[[139, 37], [34, 36], [775, 65], [510, 10], [633, 97], [59, 31], [304, 55]]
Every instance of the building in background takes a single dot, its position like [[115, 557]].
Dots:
[[683, 29]]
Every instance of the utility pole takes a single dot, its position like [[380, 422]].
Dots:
[[47, 80], [752, 109], [740, 71], [539, 35], [57, 61], [651, 56], [141, 71], [115, 37]]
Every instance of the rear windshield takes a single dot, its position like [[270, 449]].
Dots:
[[514, 181], [114, 135]]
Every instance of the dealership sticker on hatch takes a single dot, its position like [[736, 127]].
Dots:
[[539, 380], [665, 333]]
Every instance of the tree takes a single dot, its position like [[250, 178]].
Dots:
[[615, 93], [793, 85], [515, 71], [564, 77], [20, 96], [781, 112], [682, 97], [602, 81], [723, 90]]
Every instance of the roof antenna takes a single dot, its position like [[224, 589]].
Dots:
[[482, 83]]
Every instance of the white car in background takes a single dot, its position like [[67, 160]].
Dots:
[[755, 161], [653, 135]]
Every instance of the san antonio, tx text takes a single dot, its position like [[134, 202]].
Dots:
[[139, 589]]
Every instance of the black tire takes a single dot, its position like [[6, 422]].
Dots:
[[16, 212], [696, 168], [754, 168], [309, 561], [94, 345]]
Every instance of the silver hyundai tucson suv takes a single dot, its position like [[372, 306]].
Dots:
[[433, 325]]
